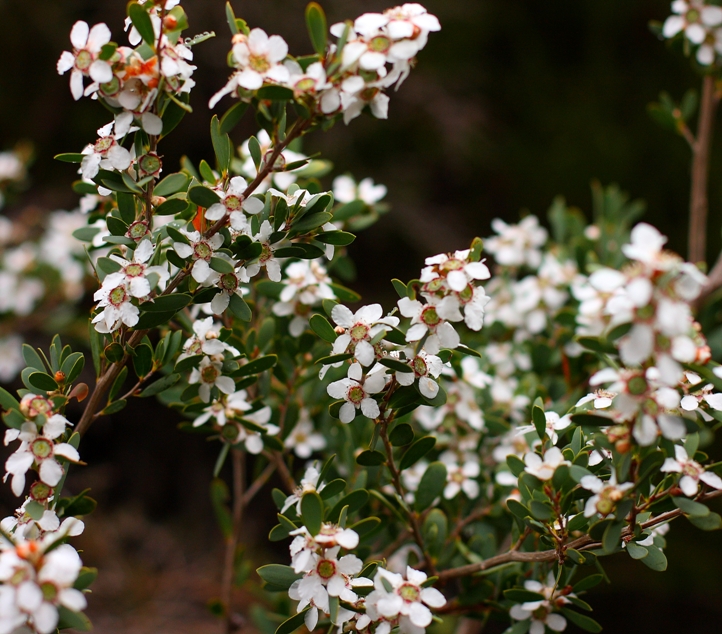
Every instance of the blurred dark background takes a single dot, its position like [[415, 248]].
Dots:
[[512, 103]]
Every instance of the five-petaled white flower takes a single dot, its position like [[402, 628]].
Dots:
[[692, 472], [84, 60], [357, 391]]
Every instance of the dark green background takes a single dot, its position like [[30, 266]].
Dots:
[[513, 102]]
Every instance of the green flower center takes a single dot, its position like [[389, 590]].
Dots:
[[232, 203], [693, 15], [356, 394], [409, 593], [452, 264], [419, 366], [359, 332], [138, 230], [41, 448], [326, 569], [150, 163], [305, 85], [637, 385], [49, 590], [202, 251], [39, 491], [430, 317], [117, 296], [134, 270], [259, 63], [367, 94], [20, 575], [266, 252], [111, 87], [41, 405], [466, 295], [380, 44], [229, 432], [229, 282], [83, 60], [434, 285]]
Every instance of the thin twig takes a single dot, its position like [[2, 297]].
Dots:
[[258, 483], [582, 543], [239, 467], [698, 206]]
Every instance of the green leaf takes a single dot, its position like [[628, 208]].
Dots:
[[276, 93], [316, 23], [203, 196], [589, 420], [540, 511], [332, 488], [221, 144], [85, 578], [588, 583], [115, 407], [239, 308], [231, 19], [312, 512], [321, 326], [142, 23], [401, 435], [254, 147], [396, 365], [588, 624], [517, 508], [691, 508], [366, 525], [85, 234], [596, 344], [540, 421], [172, 184], [167, 303], [257, 366], [370, 458], [345, 294], [636, 551], [116, 226], [417, 451], [171, 207], [354, 500], [522, 596], [32, 358], [611, 541], [278, 576], [114, 352], [69, 157], [160, 385], [711, 522], [7, 400], [43, 381], [221, 265], [78, 505], [336, 238], [334, 358], [73, 620], [655, 559], [292, 624], [431, 486], [232, 116], [399, 287]]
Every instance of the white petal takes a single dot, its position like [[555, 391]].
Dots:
[[152, 123], [79, 34]]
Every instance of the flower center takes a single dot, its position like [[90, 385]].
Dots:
[[117, 296], [150, 163], [409, 593], [326, 569], [209, 374], [430, 317], [232, 203], [42, 448], [134, 270], [110, 88], [359, 332], [202, 251], [452, 264], [266, 252], [40, 405], [367, 94], [466, 295], [419, 366], [259, 63], [49, 590], [305, 85], [692, 15], [637, 385], [103, 144], [380, 44], [138, 230], [692, 469], [229, 282], [20, 575], [83, 60], [356, 394], [39, 491]]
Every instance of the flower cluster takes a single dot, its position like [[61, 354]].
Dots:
[[701, 25], [373, 54]]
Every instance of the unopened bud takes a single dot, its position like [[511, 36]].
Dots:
[[238, 38], [339, 330], [59, 376], [157, 201], [623, 446], [170, 22]]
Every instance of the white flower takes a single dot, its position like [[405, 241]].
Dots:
[[356, 391], [135, 271], [544, 469], [425, 319], [554, 423], [259, 56], [406, 598], [105, 153], [232, 201], [692, 472], [309, 484], [209, 374], [84, 59], [460, 477], [541, 612], [517, 245], [202, 250], [359, 328], [606, 494], [304, 439], [206, 340], [345, 190], [693, 18]]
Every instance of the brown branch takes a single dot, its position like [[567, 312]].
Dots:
[[699, 207], [239, 466], [582, 543], [258, 483]]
